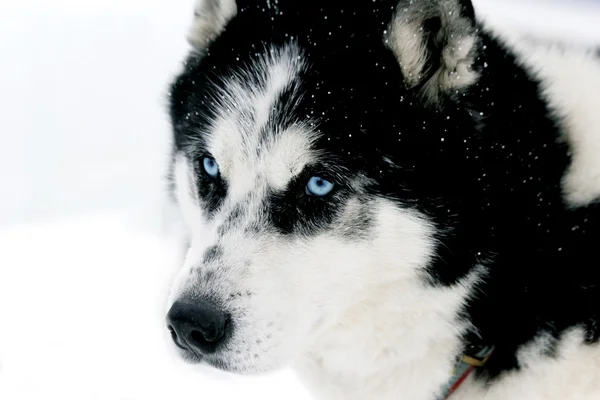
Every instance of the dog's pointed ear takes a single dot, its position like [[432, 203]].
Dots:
[[436, 43], [210, 19]]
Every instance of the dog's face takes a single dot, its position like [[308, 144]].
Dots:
[[298, 159]]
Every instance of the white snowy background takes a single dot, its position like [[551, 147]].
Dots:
[[84, 257]]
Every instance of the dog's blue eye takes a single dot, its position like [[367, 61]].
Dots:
[[318, 186], [211, 167]]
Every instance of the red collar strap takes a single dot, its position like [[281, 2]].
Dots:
[[464, 366]]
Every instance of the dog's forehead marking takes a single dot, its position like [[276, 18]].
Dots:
[[287, 155], [247, 142]]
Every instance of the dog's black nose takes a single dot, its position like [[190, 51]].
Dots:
[[198, 327]]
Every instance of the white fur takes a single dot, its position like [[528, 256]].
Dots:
[[309, 298], [189, 206], [316, 285], [283, 155], [572, 85], [398, 340], [406, 41], [356, 319], [210, 19]]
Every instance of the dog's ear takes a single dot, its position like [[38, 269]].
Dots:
[[436, 43], [210, 19]]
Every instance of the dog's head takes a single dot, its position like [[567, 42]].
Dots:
[[310, 150]]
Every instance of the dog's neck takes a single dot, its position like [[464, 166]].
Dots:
[[403, 341]]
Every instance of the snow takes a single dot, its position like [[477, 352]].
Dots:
[[84, 263]]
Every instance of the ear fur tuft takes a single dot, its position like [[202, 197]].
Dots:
[[436, 43], [210, 19]]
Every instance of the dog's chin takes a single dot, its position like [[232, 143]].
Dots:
[[190, 357], [209, 363], [216, 365], [222, 366]]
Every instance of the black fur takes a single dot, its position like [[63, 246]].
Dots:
[[485, 165]]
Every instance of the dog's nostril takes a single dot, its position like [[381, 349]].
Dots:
[[208, 336], [173, 333], [200, 337]]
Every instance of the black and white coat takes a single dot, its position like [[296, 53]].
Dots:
[[466, 173]]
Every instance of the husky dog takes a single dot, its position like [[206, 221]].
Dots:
[[388, 197]]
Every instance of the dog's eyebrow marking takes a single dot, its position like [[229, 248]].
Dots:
[[255, 134], [251, 93], [288, 155]]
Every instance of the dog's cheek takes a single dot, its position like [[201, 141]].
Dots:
[[288, 292], [330, 270]]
